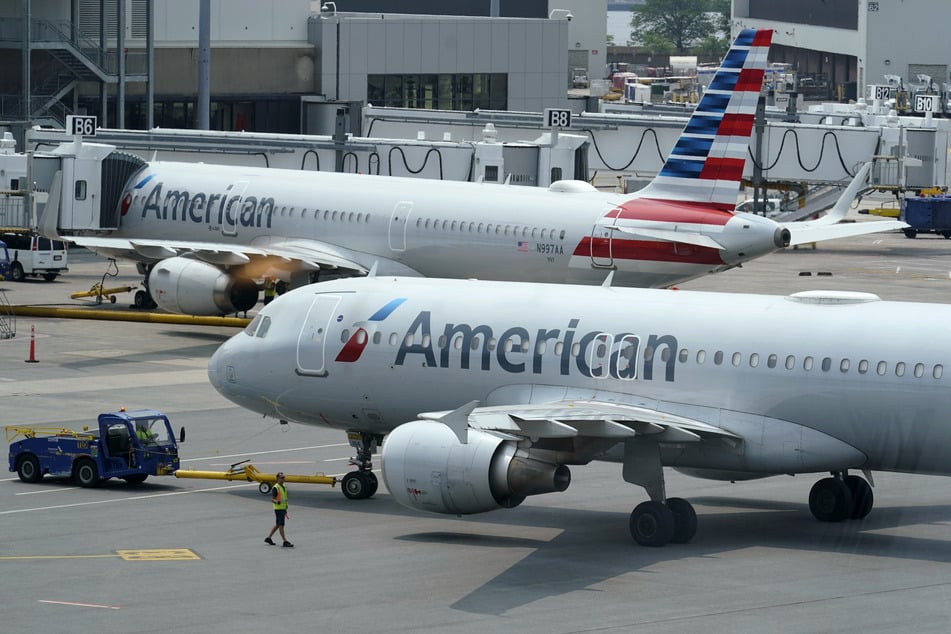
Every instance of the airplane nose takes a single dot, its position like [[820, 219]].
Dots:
[[216, 367]]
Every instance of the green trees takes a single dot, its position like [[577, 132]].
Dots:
[[676, 26]]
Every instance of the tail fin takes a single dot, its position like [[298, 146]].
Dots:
[[706, 164]]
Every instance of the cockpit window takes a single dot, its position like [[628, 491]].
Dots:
[[250, 328], [264, 327]]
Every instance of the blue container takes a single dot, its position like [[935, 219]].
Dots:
[[918, 211]]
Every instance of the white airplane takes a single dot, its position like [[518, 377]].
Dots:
[[205, 233], [517, 381]]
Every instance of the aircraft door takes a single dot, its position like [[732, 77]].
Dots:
[[602, 241], [312, 341], [398, 223], [234, 197]]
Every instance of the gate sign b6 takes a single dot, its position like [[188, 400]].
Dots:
[[557, 118], [77, 125]]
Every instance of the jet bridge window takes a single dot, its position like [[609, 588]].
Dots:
[[79, 190]]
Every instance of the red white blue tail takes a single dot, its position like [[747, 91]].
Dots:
[[706, 164]]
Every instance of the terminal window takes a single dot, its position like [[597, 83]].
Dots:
[[461, 91]]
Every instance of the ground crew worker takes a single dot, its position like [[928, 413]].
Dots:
[[279, 500], [270, 290], [143, 434]]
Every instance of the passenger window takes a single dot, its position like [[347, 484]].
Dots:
[[682, 355], [807, 364], [900, 368], [737, 358], [377, 337], [344, 335], [394, 338], [701, 356], [863, 366], [938, 371], [718, 357], [771, 361], [844, 365], [919, 370], [882, 368], [754, 360], [790, 362], [826, 364]]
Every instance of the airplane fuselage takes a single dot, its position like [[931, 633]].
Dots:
[[568, 233], [370, 354]]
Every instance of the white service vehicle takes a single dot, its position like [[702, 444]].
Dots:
[[31, 254]]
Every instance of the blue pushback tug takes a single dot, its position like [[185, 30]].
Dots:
[[128, 445]]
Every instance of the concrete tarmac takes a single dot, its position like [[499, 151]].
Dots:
[[188, 555]]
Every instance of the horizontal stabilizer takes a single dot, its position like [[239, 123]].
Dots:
[[804, 235]]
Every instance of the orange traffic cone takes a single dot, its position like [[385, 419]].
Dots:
[[32, 358]]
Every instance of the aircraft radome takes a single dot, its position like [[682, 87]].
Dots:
[[518, 382], [206, 234]]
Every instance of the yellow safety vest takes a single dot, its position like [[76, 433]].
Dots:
[[280, 500]]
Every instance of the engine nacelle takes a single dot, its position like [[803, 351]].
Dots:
[[192, 287], [425, 467]]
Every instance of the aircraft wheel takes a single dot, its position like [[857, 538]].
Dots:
[[652, 524], [86, 473], [862, 498], [141, 299], [372, 484], [685, 520], [830, 500], [355, 485], [16, 272], [28, 468]]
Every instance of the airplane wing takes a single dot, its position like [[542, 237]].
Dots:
[[310, 253], [828, 228], [568, 419]]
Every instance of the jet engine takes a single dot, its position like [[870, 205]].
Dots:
[[425, 467], [192, 287]]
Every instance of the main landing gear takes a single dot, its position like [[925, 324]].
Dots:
[[362, 483], [841, 497], [661, 520]]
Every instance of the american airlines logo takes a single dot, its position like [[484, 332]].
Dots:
[[229, 208], [518, 350]]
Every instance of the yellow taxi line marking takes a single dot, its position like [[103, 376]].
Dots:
[[128, 499], [81, 605], [16, 557], [228, 464]]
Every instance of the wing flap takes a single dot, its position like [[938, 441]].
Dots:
[[566, 419]]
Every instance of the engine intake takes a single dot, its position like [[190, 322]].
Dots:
[[425, 467], [192, 287]]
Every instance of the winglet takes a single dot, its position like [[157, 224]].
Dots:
[[844, 203], [458, 421]]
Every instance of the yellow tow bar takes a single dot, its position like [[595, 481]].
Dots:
[[250, 473], [98, 292]]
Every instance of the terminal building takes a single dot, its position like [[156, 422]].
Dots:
[[273, 62]]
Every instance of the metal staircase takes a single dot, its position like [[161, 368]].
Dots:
[[76, 57], [8, 319]]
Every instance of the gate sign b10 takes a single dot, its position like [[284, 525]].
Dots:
[[557, 118], [77, 125], [927, 103]]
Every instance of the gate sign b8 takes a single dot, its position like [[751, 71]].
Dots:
[[557, 118], [77, 125]]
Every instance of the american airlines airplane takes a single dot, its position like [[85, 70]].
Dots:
[[204, 234], [518, 382]]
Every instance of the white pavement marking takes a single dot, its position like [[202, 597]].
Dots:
[[80, 605]]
